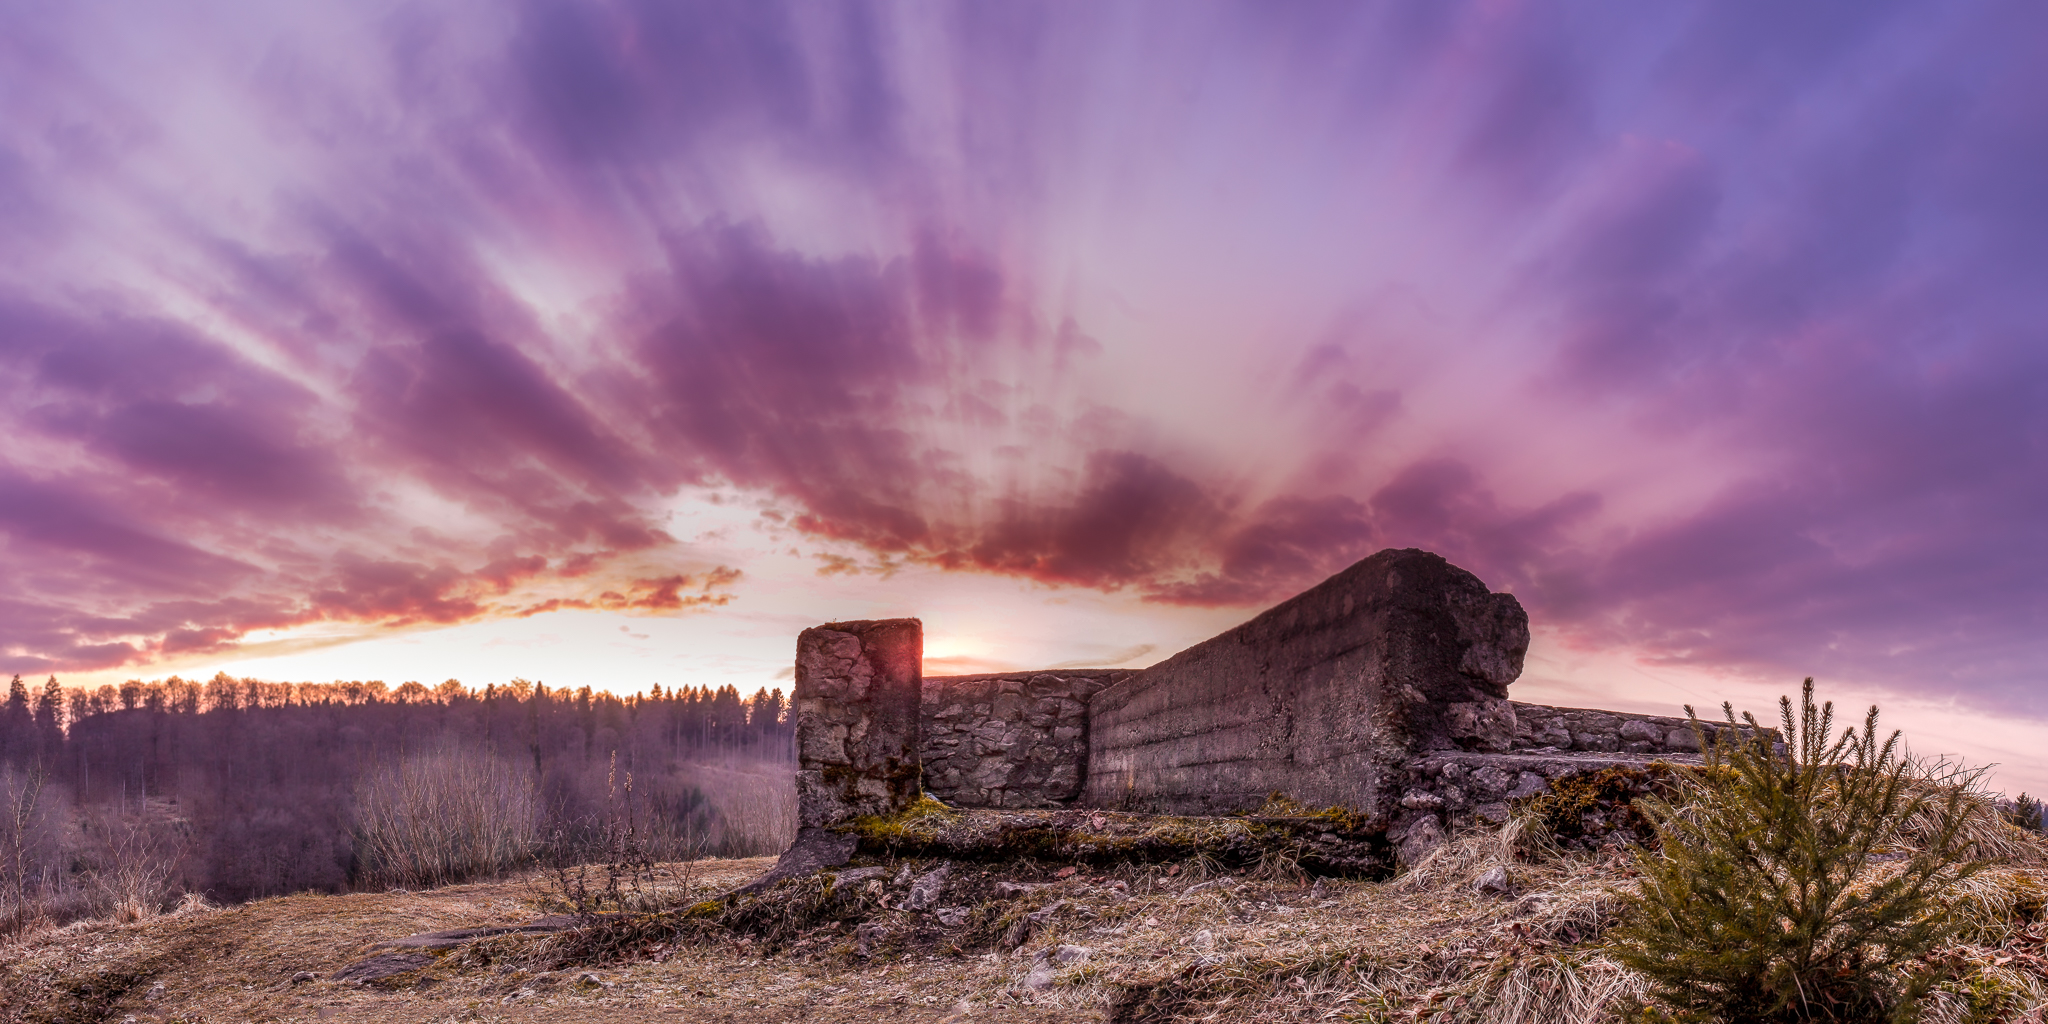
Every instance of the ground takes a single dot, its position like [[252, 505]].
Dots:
[[237, 964], [1485, 931]]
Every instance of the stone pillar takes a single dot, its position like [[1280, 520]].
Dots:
[[858, 686]]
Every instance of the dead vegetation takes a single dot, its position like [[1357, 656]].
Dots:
[[1500, 926], [442, 816]]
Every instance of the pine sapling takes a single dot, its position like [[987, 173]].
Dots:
[[1783, 888]]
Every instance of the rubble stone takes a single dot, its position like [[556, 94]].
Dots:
[[1383, 690]]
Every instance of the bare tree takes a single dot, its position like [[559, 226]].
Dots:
[[23, 836]]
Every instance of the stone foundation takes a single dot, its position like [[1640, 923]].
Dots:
[[1445, 791], [1546, 728]]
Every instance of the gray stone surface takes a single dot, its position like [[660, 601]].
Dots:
[[858, 685], [1537, 726], [382, 966], [1481, 725], [1324, 698], [1444, 791], [1495, 881], [925, 892], [1012, 739]]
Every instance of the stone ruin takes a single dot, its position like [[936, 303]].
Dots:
[[1383, 689]]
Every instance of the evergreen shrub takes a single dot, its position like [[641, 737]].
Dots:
[[1801, 883]]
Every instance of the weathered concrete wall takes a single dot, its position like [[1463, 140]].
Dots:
[[858, 685], [1324, 698], [1012, 739]]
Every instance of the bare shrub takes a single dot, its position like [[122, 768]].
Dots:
[[674, 820], [614, 869], [131, 862], [444, 816], [25, 846]]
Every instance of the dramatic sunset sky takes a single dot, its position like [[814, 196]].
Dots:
[[612, 343]]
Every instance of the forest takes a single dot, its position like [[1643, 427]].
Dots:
[[121, 800]]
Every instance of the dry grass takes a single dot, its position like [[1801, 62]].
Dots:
[[756, 808], [1987, 832], [1164, 941]]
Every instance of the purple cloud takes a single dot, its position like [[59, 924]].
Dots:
[[1715, 331]]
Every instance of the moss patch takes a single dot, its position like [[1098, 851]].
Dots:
[[1332, 842]]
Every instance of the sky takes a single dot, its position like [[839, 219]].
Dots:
[[612, 343]]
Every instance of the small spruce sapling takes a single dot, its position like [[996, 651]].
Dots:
[[1783, 888], [2025, 813]]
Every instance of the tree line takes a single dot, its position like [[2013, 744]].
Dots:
[[257, 787]]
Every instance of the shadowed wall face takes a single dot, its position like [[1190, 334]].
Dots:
[[1016, 739], [1323, 698], [857, 691]]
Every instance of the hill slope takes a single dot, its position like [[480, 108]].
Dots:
[[1480, 932]]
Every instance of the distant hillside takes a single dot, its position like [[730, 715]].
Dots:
[[238, 789]]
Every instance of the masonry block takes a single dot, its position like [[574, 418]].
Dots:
[[857, 690]]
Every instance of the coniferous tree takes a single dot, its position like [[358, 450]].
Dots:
[[262, 777], [17, 725], [1766, 899], [2025, 813], [49, 720]]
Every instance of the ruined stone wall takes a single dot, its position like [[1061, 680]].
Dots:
[[1538, 727], [1324, 698], [1010, 739], [1443, 791], [1446, 790], [1382, 689]]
